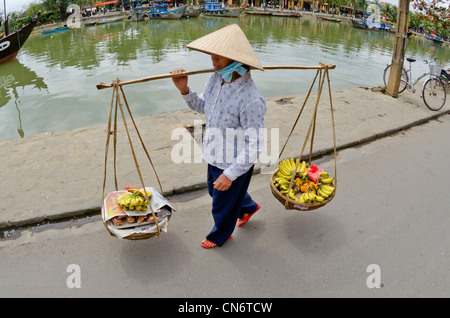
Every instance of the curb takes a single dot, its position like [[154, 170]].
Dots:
[[96, 210]]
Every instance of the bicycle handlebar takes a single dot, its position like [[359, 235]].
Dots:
[[427, 62]]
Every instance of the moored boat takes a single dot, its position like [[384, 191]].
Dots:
[[434, 38], [11, 43], [105, 21], [137, 16], [160, 10], [331, 19], [286, 14], [215, 9], [192, 12], [258, 12], [55, 30], [370, 25]]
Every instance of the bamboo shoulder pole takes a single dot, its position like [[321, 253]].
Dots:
[[210, 70]]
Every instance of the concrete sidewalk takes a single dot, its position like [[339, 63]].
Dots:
[[59, 175]]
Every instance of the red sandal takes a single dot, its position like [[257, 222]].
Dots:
[[211, 244], [247, 218]]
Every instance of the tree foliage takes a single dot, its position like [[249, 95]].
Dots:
[[435, 11]]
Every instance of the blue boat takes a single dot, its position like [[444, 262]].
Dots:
[[434, 38], [57, 29], [370, 25], [160, 10], [214, 8], [106, 21]]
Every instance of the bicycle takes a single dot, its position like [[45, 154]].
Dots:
[[434, 92]]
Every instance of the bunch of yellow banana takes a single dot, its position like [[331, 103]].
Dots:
[[310, 197], [324, 178], [287, 166], [325, 191], [292, 196], [303, 168], [134, 200], [141, 192], [281, 184]]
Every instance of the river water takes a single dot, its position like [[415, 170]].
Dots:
[[51, 86]]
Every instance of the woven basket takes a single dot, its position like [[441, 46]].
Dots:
[[143, 236], [136, 236], [285, 200], [116, 100], [290, 204]]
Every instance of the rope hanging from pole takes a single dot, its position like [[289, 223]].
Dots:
[[118, 106], [321, 75]]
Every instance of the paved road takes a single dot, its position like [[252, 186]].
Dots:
[[60, 173], [391, 210]]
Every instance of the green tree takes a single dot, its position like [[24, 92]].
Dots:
[[59, 6], [362, 5], [389, 11], [33, 8], [437, 12], [339, 3]]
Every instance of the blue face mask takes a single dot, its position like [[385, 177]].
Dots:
[[227, 72]]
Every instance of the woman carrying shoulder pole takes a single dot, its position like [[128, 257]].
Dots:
[[234, 111]]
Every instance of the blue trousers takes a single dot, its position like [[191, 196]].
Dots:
[[229, 205]]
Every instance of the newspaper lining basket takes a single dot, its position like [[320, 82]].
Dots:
[[142, 236]]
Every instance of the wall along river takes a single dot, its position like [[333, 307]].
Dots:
[[51, 86]]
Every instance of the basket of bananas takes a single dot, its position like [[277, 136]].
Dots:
[[300, 186], [136, 214]]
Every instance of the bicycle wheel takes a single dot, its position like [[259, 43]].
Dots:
[[403, 80], [434, 94]]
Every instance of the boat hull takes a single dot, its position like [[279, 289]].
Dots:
[[13, 42], [360, 25], [137, 17], [229, 13], [9, 57], [257, 12], [109, 21], [55, 31], [286, 14], [331, 19], [434, 39], [173, 14], [193, 12]]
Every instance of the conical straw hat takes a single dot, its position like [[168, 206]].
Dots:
[[228, 42]]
